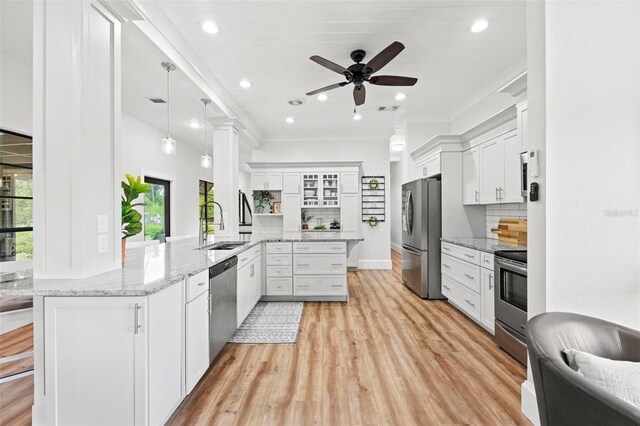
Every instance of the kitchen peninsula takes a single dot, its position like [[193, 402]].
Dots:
[[128, 345]]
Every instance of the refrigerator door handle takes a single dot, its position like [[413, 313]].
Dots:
[[408, 211]]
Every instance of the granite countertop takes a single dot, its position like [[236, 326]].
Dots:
[[488, 245], [150, 269]]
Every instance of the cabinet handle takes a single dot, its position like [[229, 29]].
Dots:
[[306, 265], [446, 287], [201, 284], [209, 311], [336, 285], [501, 189], [446, 266], [486, 261], [490, 282], [470, 303], [497, 198], [253, 271], [136, 318], [469, 276], [243, 259], [302, 286], [469, 255], [424, 171], [337, 264], [446, 248], [477, 196]]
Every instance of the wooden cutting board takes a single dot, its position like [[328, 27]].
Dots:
[[512, 231]]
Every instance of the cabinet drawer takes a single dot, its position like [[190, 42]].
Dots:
[[248, 255], [486, 260], [197, 284], [464, 253], [447, 286], [278, 259], [279, 286], [467, 300], [324, 247], [278, 248], [319, 264], [461, 271], [278, 271], [320, 285]]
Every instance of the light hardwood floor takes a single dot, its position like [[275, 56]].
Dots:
[[16, 396], [386, 357]]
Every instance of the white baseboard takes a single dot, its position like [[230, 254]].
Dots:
[[528, 404], [375, 263], [396, 247], [15, 319]]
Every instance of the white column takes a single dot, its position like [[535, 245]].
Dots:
[[226, 167], [76, 138]]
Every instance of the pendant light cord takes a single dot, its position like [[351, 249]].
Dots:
[[206, 150], [168, 102]]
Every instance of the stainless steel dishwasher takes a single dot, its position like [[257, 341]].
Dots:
[[223, 295]]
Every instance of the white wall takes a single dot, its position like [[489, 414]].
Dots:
[[374, 154], [395, 203], [141, 154], [593, 162]]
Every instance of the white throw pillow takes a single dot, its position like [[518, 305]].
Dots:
[[620, 378]]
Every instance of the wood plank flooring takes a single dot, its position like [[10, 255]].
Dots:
[[16, 396], [386, 357]]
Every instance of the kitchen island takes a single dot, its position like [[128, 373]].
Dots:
[[126, 346]]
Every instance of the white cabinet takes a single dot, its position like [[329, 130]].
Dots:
[[196, 339], [471, 176], [420, 169], [330, 189], [319, 264], [113, 359], [249, 284], [321, 189], [432, 165], [266, 181], [311, 189], [488, 302], [349, 182], [291, 209], [511, 187], [349, 208], [320, 285], [492, 175], [279, 269], [291, 183]]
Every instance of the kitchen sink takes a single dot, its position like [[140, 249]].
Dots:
[[227, 245]]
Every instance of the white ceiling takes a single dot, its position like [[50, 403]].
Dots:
[[269, 43], [144, 77]]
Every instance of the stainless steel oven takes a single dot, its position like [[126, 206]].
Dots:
[[511, 302]]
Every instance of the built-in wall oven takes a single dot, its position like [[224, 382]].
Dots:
[[511, 302]]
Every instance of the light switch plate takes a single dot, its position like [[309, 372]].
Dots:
[[102, 224], [103, 244]]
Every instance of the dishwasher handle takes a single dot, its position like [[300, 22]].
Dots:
[[223, 266]]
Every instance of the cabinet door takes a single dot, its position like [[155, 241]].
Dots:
[[420, 170], [491, 170], [95, 368], [330, 193], [274, 181], [197, 339], [244, 293], [432, 166], [471, 176], [311, 190], [256, 281], [349, 182], [291, 210], [291, 183], [349, 214], [258, 181], [510, 191], [487, 293]]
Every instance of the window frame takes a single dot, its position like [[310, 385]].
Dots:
[[167, 202]]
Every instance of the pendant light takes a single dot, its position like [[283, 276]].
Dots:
[[168, 143], [205, 160]]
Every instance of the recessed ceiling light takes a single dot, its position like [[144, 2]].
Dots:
[[322, 97], [479, 25], [400, 96], [194, 124], [296, 102], [357, 116], [289, 120], [210, 27], [245, 84]]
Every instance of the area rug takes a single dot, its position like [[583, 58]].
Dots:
[[270, 322]]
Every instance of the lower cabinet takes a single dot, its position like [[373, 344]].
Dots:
[[196, 340], [320, 285], [120, 357], [488, 301], [249, 287]]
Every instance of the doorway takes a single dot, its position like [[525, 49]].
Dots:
[[157, 210]]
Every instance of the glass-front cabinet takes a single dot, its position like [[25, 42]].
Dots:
[[320, 189]]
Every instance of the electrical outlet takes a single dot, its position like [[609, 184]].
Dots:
[[103, 244], [102, 224]]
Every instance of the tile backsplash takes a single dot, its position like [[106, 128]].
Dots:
[[323, 216], [495, 211]]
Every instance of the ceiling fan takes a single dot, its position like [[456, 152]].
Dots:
[[359, 73]]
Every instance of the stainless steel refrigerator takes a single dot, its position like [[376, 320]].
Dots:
[[421, 232]]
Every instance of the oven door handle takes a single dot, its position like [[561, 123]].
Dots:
[[505, 264]]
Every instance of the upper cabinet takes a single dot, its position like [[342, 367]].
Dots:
[[321, 189], [291, 183], [428, 167], [330, 189], [311, 189], [263, 181], [349, 182], [471, 176], [492, 174]]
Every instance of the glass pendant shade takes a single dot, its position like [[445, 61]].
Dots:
[[206, 162], [168, 146], [168, 143]]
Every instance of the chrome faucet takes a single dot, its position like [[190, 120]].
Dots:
[[202, 237]]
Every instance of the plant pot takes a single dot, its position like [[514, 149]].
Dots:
[[305, 226], [259, 208], [124, 250]]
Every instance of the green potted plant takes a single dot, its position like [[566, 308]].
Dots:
[[263, 198], [305, 217], [133, 187]]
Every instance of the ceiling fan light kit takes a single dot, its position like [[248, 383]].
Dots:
[[360, 73]]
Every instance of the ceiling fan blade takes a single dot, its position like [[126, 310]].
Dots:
[[392, 80], [324, 89], [359, 94], [384, 57], [331, 65]]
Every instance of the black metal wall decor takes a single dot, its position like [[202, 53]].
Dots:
[[373, 199]]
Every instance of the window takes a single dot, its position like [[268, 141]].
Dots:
[[16, 197], [157, 209], [206, 194]]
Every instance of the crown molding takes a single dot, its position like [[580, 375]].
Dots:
[[516, 86], [299, 164], [445, 142]]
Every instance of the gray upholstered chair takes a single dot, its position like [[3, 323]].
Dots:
[[564, 396]]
